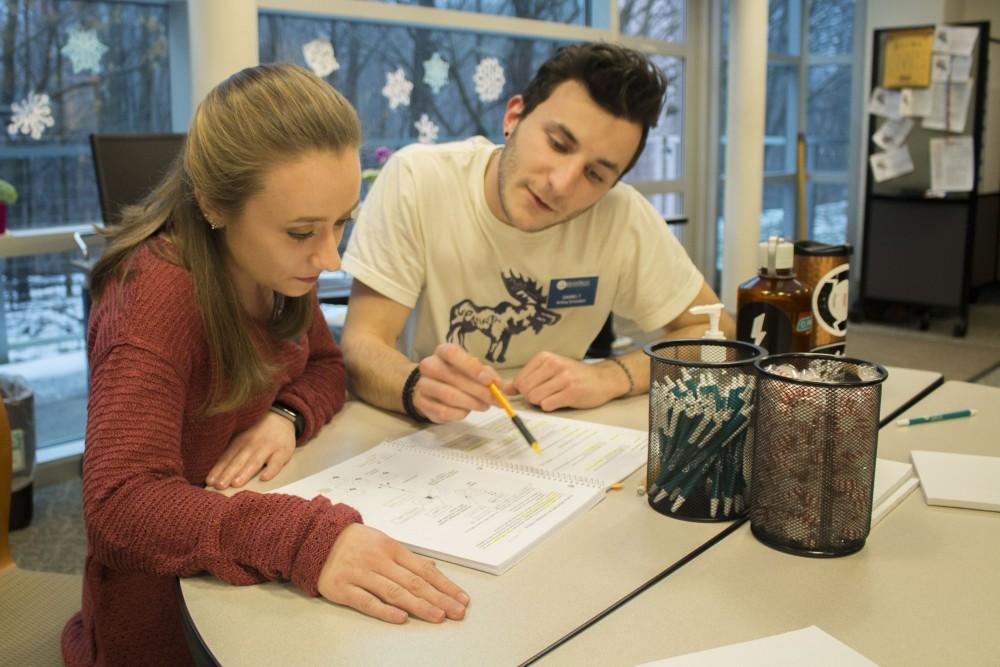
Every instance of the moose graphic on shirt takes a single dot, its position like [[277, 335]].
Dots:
[[500, 322]]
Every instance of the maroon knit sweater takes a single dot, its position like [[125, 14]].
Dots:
[[148, 450]]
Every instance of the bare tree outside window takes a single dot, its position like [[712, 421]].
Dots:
[[118, 81]]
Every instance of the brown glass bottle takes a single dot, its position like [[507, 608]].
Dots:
[[773, 309]]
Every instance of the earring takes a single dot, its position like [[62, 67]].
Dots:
[[506, 134], [212, 224]]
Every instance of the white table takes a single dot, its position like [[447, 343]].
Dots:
[[572, 576], [904, 387], [569, 577], [925, 589]]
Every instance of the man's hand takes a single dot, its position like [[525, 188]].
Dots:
[[551, 381], [452, 384], [270, 442], [376, 575]]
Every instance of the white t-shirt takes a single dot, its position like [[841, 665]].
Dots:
[[427, 240]]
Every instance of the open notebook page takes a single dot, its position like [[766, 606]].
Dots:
[[608, 453]]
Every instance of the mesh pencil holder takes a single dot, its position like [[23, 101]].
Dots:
[[701, 395], [814, 456]]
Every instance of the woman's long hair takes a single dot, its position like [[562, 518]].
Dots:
[[256, 119]]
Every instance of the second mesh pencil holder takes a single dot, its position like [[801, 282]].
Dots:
[[814, 455], [701, 397]]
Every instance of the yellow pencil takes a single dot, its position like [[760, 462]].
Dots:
[[502, 400]]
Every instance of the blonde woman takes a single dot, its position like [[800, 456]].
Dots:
[[210, 361]]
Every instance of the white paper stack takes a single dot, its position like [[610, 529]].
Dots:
[[959, 480]]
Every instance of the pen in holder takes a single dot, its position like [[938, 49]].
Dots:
[[814, 455], [701, 397]]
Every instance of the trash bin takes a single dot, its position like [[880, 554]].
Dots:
[[20, 403]]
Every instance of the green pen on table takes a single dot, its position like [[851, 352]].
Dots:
[[935, 418]]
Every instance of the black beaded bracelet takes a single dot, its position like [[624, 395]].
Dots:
[[628, 374], [408, 388]]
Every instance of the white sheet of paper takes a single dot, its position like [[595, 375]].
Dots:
[[955, 39], [894, 480], [808, 646], [949, 106], [915, 101], [891, 164], [961, 68], [941, 39], [892, 133], [940, 67], [962, 40], [959, 480], [569, 446], [951, 164], [479, 514], [884, 103], [959, 96]]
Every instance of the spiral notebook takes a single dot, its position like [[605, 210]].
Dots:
[[472, 494]]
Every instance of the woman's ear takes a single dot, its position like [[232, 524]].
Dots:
[[210, 213]]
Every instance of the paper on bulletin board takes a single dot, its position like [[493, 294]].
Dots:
[[952, 164], [884, 103], [957, 40], [915, 102], [941, 67], [949, 106], [891, 164], [892, 133], [961, 68], [908, 58]]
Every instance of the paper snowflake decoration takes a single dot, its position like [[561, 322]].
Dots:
[[84, 50], [436, 72], [320, 57], [31, 116], [428, 131], [397, 88], [489, 79]]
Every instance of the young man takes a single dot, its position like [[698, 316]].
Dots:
[[514, 256]]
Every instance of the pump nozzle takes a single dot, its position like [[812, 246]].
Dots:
[[714, 311]]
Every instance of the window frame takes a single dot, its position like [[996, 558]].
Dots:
[[691, 185], [803, 60]]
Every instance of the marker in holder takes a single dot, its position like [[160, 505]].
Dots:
[[813, 467], [701, 400]]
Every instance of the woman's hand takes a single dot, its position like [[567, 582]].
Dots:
[[371, 572], [267, 444]]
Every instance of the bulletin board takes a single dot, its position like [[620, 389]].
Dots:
[[924, 158], [962, 96]]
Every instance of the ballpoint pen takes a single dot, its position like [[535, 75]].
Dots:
[[935, 418], [505, 404]]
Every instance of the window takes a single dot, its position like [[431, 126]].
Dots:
[[421, 81], [412, 84], [66, 69], [574, 12], [809, 84]]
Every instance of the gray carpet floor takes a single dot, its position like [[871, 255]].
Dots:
[[55, 541]]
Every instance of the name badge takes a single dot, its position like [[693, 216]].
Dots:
[[572, 292]]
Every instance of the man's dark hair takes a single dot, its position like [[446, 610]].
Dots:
[[621, 81]]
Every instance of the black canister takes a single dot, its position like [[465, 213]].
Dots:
[[701, 397]]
